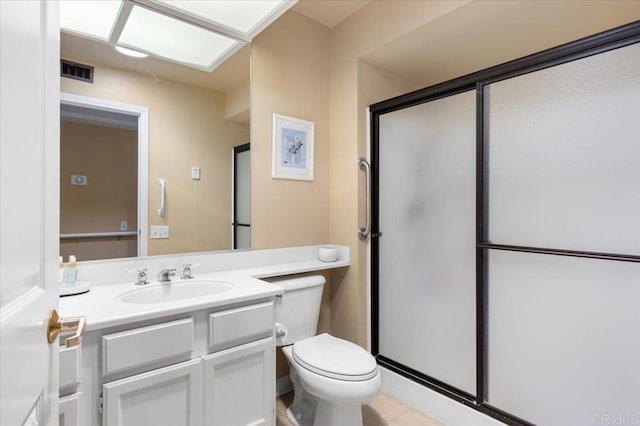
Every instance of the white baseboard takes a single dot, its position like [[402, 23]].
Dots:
[[283, 385], [433, 404]]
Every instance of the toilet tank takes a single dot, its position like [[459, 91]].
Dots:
[[298, 310]]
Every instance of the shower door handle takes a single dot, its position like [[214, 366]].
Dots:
[[363, 233]]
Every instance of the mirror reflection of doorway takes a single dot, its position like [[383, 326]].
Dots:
[[242, 196], [98, 183]]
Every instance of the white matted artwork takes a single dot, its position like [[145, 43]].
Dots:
[[292, 148]]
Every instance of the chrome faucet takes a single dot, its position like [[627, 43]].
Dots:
[[165, 275]]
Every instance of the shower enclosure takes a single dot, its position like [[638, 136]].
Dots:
[[506, 235]]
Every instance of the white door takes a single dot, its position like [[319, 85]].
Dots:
[[239, 385], [29, 87], [169, 396]]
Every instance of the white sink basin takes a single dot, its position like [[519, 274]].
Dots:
[[161, 293]]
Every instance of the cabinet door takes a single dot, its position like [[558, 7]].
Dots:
[[240, 385], [169, 396], [69, 410]]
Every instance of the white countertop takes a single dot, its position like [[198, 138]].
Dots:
[[102, 307]]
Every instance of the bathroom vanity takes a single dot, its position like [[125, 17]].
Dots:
[[190, 352]]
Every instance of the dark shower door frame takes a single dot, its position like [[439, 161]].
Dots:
[[599, 43]]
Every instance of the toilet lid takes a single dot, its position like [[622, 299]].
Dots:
[[335, 358]]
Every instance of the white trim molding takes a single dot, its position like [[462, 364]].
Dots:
[[435, 405]]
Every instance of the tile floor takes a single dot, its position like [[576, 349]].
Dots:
[[383, 411]]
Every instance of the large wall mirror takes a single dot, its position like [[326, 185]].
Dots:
[[155, 156]]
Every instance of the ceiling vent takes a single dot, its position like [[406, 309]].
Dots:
[[76, 71]]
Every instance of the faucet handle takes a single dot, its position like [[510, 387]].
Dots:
[[142, 276], [186, 270]]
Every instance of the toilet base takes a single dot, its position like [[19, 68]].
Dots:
[[301, 413], [325, 413], [337, 414]]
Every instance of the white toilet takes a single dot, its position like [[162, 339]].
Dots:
[[332, 378]]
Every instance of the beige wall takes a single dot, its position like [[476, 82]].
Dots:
[[238, 104], [290, 76], [186, 128], [110, 196]]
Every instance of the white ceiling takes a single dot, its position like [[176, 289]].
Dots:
[[329, 12], [482, 34]]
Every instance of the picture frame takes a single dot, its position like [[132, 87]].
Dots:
[[293, 147]]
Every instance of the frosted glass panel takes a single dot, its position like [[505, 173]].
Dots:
[[564, 155], [564, 338], [427, 250], [243, 237], [243, 187]]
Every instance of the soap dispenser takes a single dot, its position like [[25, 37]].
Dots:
[[72, 269], [60, 269]]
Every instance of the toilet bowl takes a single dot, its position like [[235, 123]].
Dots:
[[332, 378]]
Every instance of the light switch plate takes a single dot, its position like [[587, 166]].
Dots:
[[195, 173], [159, 232], [124, 225]]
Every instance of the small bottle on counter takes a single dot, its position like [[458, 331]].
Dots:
[[72, 269], [60, 269]]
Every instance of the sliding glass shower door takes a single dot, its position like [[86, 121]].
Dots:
[[506, 235], [563, 284], [427, 249]]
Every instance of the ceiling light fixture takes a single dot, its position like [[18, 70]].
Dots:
[[131, 52]]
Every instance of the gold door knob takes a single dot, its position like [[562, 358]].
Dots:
[[57, 325]]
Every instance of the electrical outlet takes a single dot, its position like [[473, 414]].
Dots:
[[159, 232], [195, 173], [124, 225]]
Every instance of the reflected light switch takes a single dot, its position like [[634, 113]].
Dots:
[[195, 173], [78, 180]]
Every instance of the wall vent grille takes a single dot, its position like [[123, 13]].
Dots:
[[76, 71]]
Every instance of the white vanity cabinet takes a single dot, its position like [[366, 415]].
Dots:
[[69, 383], [69, 410], [209, 367], [239, 384], [165, 396]]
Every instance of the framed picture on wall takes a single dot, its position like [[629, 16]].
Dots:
[[292, 148]]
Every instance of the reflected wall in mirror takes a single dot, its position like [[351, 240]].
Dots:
[[195, 120]]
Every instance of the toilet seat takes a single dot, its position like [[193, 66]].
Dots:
[[335, 358]]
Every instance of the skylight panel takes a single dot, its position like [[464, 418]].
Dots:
[[92, 18], [174, 40], [246, 17]]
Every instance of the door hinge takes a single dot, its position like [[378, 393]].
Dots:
[[100, 404]]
